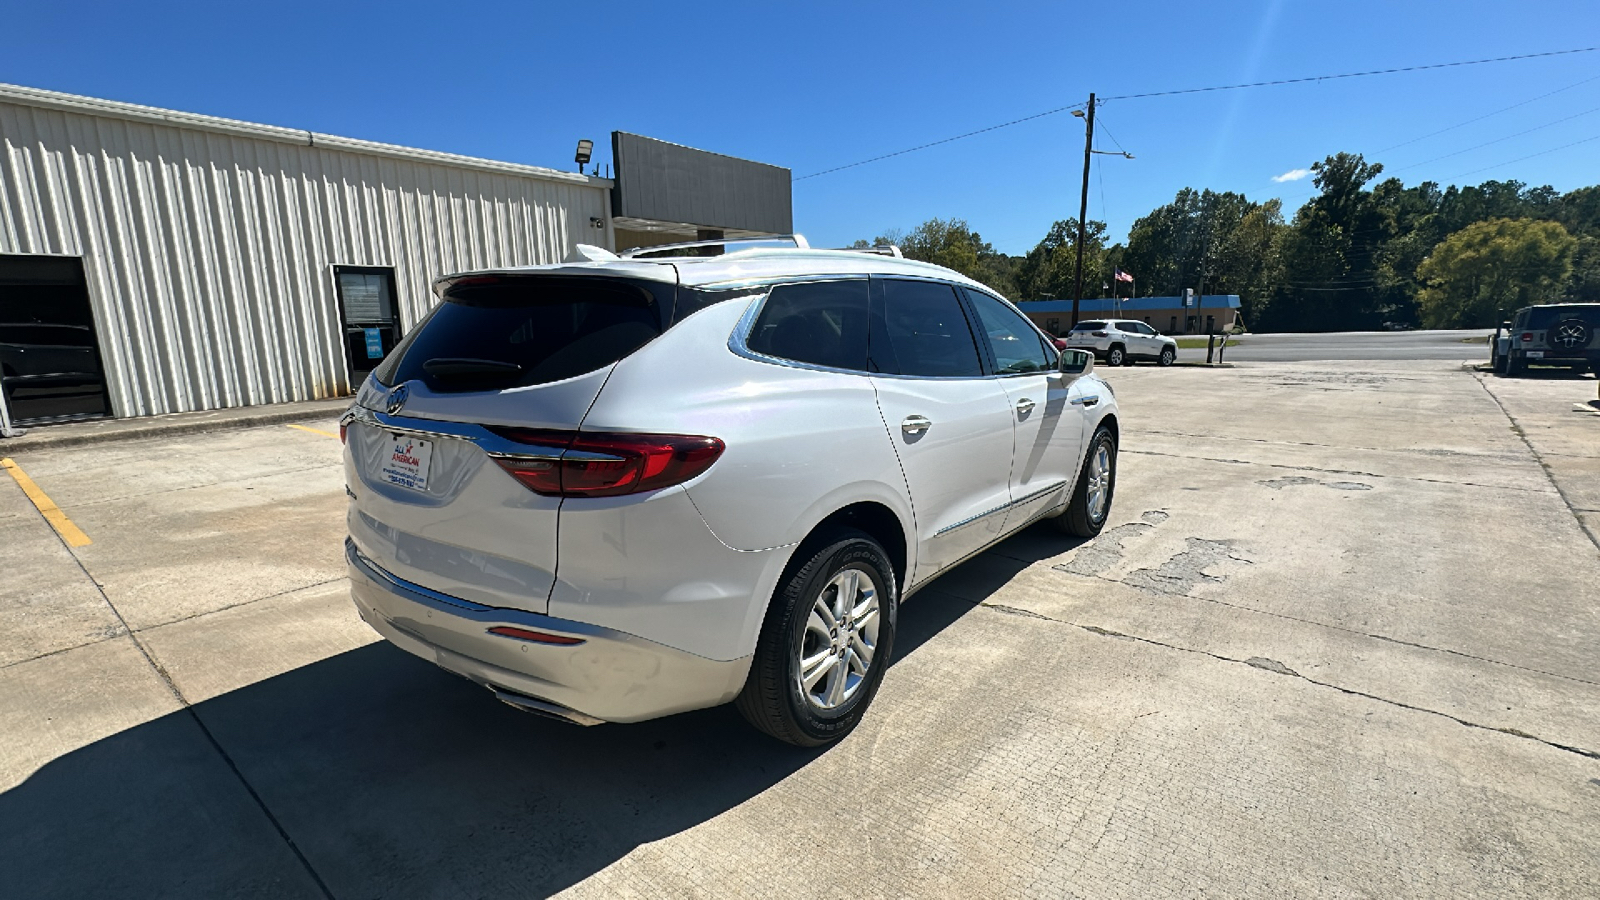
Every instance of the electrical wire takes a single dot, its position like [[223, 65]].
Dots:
[[1486, 115], [1201, 90], [947, 140], [1588, 112], [1521, 158]]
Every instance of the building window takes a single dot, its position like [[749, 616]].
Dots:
[[1052, 325]]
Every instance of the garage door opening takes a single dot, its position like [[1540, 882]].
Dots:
[[49, 355]]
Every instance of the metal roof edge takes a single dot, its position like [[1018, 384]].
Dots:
[[94, 106]]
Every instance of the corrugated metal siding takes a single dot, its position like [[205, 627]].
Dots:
[[210, 255]]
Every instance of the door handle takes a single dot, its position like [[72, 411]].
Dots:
[[1088, 401], [1024, 406], [914, 425]]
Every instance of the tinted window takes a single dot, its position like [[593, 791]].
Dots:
[[1088, 326], [922, 330], [1542, 318], [823, 323], [1012, 337], [503, 331]]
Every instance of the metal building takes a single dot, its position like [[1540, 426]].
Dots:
[[154, 261]]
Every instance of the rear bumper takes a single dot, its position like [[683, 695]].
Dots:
[[611, 676]]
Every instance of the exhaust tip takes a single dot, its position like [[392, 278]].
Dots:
[[545, 708]]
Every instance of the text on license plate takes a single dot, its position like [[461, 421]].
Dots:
[[406, 462]]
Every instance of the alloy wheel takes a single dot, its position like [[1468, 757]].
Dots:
[[840, 640]]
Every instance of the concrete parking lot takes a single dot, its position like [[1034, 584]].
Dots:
[[1342, 638]]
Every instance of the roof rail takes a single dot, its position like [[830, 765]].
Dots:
[[879, 249], [798, 240]]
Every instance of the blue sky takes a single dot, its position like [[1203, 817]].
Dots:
[[817, 85]]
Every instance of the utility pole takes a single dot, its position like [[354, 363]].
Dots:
[[1083, 208]]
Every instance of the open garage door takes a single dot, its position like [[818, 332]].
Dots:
[[49, 356]]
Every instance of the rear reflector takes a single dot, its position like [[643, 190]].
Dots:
[[538, 637], [608, 465]]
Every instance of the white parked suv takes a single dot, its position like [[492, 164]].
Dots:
[[1121, 341], [623, 488]]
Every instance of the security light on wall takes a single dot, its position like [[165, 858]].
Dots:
[[585, 150]]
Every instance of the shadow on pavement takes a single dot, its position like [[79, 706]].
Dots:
[[392, 777]]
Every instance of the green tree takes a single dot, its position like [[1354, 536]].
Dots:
[[1499, 264], [1049, 271], [953, 244], [1330, 254], [1221, 243]]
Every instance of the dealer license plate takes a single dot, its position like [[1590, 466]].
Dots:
[[407, 461]]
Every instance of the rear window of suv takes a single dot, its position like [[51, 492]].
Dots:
[[1541, 318], [503, 331], [1088, 326]]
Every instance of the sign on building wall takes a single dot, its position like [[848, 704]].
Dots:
[[665, 182]]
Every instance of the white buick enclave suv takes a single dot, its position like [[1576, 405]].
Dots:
[[624, 488]]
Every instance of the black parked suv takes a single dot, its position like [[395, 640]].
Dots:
[[1556, 334]]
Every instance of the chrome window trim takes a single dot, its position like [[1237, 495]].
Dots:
[[491, 443], [1001, 508]]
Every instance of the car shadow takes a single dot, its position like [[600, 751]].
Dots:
[[386, 777]]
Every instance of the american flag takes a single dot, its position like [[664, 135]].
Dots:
[[1123, 276]]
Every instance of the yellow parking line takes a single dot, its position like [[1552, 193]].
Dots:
[[316, 431], [52, 513]]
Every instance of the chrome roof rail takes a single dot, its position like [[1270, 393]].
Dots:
[[879, 249], [798, 240]]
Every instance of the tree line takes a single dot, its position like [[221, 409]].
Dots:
[[1362, 254]]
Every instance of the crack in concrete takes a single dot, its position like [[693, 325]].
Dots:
[[1186, 570], [1224, 437], [1216, 459], [1108, 548], [1278, 668], [1516, 427], [205, 730], [1352, 631]]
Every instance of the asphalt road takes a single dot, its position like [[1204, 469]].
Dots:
[[1376, 345]]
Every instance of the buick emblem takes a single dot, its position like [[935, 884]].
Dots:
[[397, 400]]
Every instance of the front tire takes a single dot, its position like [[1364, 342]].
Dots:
[[1116, 356], [825, 643], [1167, 356], [1097, 482]]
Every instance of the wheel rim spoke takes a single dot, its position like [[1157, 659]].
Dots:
[[839, 640]]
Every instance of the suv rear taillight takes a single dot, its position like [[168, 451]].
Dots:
[[607, 465], [1527, 336], [1100, 334]]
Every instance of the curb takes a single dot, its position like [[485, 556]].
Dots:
[[35, 440]]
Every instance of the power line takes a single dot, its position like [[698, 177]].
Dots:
[[1394, 71], [1486, 115], [1508, 137], [1201, 90], [1529, 156], [947, 140]]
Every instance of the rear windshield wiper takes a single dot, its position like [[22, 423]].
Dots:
[[451, 367]]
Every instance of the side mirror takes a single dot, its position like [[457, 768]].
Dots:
[[1075, 363]]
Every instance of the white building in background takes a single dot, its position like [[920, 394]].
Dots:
[[154, 261]]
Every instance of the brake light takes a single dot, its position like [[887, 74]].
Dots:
[[608, 465], [1100, 334], [344, 427], [1527, 336]]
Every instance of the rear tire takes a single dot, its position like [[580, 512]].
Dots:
[[1097, 483], [1515, 367], [1167, 356], [846, 588]]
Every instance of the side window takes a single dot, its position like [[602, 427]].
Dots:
[[1015, 342], [922, 330], [823, 323]]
